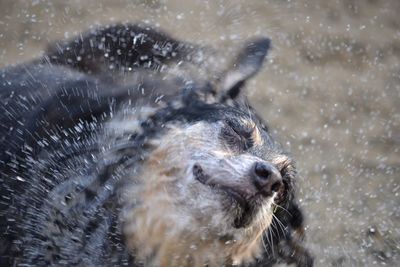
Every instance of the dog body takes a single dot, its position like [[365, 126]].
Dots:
[[124, 148]]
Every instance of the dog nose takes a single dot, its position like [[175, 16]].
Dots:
[[267, 178]]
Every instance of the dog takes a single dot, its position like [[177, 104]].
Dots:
[[127, 147]]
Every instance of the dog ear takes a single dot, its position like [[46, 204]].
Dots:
[[247, 63]]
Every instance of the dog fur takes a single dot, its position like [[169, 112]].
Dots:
[[126, 147]]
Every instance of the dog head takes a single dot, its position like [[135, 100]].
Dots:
[[211, 178]]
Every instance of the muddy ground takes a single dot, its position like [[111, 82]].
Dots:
[[330, 91]]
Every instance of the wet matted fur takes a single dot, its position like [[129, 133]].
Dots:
[[126, 147]]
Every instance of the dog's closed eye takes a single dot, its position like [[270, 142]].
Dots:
[[237, 136]]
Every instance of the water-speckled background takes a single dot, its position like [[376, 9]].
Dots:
[[330, 90]]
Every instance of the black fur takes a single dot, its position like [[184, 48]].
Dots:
[[58, 200]]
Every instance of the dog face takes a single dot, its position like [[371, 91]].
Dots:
[[213, 179], [229, 165]]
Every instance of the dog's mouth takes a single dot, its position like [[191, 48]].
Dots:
[[247, 204]]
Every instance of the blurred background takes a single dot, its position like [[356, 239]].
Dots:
[[330, 90]]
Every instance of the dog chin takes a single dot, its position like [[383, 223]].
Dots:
[[255, 209]]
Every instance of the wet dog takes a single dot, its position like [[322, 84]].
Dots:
[[126, 147]]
